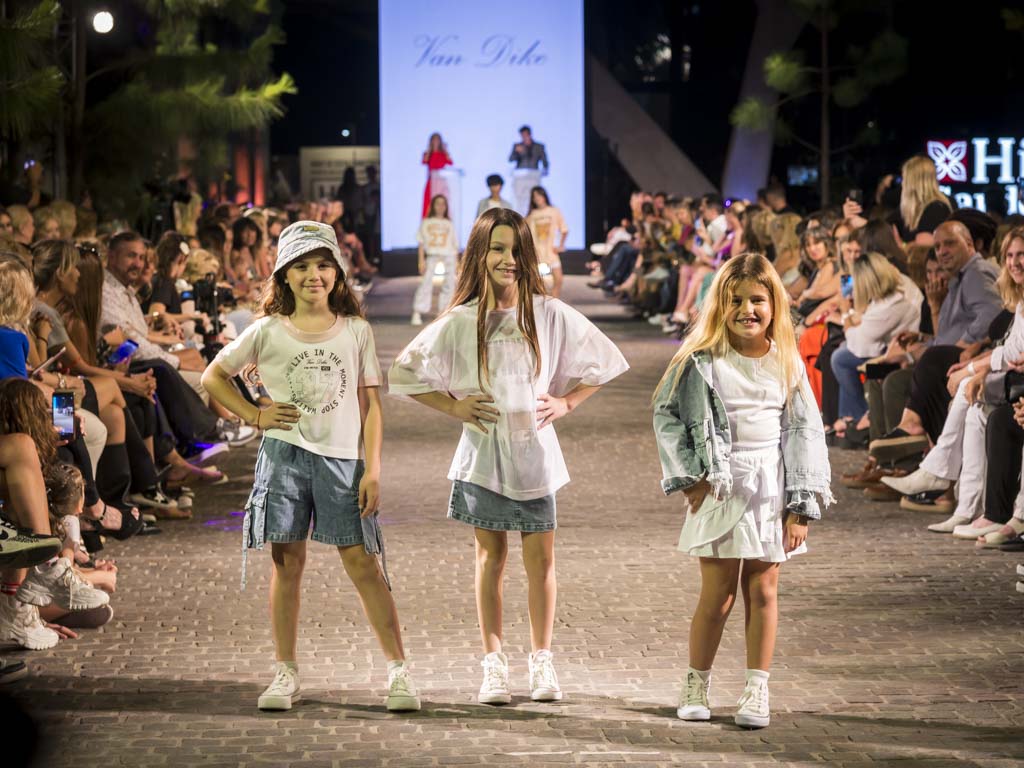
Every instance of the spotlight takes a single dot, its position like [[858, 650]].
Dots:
[[103, 22], [346, 132]]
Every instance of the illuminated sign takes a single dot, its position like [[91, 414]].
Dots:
[[965, 168]]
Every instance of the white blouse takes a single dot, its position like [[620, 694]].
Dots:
[[753, 395], [514, 459]]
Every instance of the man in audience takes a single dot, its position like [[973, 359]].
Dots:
[[177, 373], [969, 307], [775, 197]]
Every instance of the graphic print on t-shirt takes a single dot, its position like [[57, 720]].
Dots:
[[317, 380]]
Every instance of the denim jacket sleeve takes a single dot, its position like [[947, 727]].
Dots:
[[804, 453], [679, 434]]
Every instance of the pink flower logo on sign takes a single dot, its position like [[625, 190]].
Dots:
[[949, 159]]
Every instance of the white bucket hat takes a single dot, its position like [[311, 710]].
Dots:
[[300, 238]]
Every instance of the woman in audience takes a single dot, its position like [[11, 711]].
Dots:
[[922, 205]]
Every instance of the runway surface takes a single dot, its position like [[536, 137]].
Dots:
[[896, 646]]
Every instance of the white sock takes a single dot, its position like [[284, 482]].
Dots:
[[395, 664], [292, 665], [757, 676], [703, 674]]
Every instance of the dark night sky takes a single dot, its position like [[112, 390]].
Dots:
[[965, 76]]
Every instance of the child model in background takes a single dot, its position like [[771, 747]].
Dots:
[[437, 243], [435, 158], [547, 225], [740, 435], [507, 361], [493, 200], [316, 357]]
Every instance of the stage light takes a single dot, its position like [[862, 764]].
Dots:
[[346, 132], [103, 22]]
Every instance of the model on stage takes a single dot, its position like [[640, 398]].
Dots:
[[740, 435], [435, 158], [493, 200], [315, 354], [507, 361], [549, 235], [437, 244], [529, 156]]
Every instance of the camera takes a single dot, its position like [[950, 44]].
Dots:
[[209, 298]]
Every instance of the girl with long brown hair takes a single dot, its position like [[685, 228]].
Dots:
[[316, 357], [507, 361]]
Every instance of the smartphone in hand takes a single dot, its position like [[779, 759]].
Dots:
[[64, 414]]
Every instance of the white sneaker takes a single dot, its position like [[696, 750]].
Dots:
[[947, 525], [235, 433], [402, 693], [495, 689], [1020, 570], [543, 680], [20, 623], [693, 698], [657, 319], [752, 709], [918, 481], [59, 584], [284, 691], [417, 319], [1020, 587]]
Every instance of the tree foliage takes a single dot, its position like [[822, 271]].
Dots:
[[30, 83]]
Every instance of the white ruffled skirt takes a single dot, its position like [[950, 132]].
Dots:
[[748, 524]]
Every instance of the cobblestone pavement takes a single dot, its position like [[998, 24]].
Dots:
[[896, 646]]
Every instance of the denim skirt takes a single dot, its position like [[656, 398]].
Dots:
[[483, 508]]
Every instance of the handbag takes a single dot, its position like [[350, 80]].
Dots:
[[1014, 383]]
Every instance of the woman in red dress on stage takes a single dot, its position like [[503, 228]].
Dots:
[[435, 158]]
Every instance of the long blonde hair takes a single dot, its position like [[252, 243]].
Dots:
[[710, 333], [474, 284], [920, 187], [1012, 293], [17, 292], [874, 278]]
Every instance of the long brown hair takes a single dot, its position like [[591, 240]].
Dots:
[[24, 409], [278, 299], [85, 307], [1012, 293], [474, 284]]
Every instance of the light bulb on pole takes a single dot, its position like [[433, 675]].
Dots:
[[103, 22]]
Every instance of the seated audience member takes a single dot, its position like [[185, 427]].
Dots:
[[970, 305], [885, 304], [22, 223]]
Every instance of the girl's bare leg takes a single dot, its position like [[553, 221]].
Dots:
[[539, 560], [760, 582], [718, 581], [491, 555], [378, 604], [289, 560]]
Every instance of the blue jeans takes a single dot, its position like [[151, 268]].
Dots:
[[852, 402]]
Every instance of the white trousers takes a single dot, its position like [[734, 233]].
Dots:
[[424, 297], [971, 495], [945, 459], [95, 437]]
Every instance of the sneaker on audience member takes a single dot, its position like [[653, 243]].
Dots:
[[949, 524], [20, 548], [417, 319], [402, 693], [153, 497], [918, 481], [203, 456], [12, 670], [693, 698], [543, 681], [284, 691], [495, 688], [235, 433], [20, 623], [60, 585]]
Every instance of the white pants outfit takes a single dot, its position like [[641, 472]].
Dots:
[[959, 453], [425, 292]]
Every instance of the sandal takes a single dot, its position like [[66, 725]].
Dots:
[[179, 476], [130, 524], [172, 514]]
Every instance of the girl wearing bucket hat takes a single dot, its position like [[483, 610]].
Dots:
[[319, 462]]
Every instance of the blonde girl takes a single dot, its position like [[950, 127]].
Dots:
[[316, 357], [507, 361], [922, 205], [437, 244], [740, 436]]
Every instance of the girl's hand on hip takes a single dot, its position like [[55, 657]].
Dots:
[[474, 410], [696, 494], [277, 416], [550, 408], [369, 495], [794, 532]]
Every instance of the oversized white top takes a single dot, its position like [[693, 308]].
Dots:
[[885, 318], [319, 373], [1013, 349], [437, 236], [514, 458], [546, 226], [753, 394]]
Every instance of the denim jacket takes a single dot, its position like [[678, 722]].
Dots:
[[694, 441]]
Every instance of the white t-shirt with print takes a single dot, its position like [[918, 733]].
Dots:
[[514, 459], [546, 226], [319, 373], [437, 236]]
